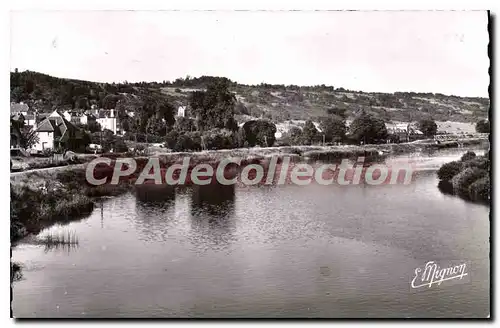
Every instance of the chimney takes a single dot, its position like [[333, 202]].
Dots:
[[112, 113]]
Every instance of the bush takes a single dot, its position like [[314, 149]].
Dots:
[[259, 132], [119, 146], [220, 139], [171, 139], [478, 162], [463, 180], [483, 126], [187, 142], [479, 190], [449, 170], [468, 156]]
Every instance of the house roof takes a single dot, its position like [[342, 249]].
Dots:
[[17, 108], [61, 127]]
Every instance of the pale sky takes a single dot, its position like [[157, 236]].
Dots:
[[443, 52]]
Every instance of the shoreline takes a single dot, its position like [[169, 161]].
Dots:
[[43, 197], [307, 152]]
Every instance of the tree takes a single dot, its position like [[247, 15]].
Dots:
[[215, 107], [468, 156], [333, 128], [449, 170], [185, 124], [340, 112], [428, 127], [167, 112], [310, 134], [483, 126], [110, 101], [368, 129], [259, 132], [92, 126], [293, 136], [220, 139], [28, 137]]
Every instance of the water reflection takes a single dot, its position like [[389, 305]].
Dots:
[[212, 219], [66, 248], [154, 209], [161, 196], [215, 200]]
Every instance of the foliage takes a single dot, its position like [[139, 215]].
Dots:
[[91, 126], [28, 137], [480, 162], [185, 124], [219, 139], [310, 134], [468, 156], [109, 141], [294, 136], [463, 180], [214, 108], [448, 170], [337, 111], [258, 132], [368, 129], [334, 129], [483, 126], [45, 92], [428, 127], [480, 190]]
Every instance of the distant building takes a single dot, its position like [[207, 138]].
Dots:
[[55, 131], [107, 120], [181, 111], [403, 132], [19, 108]]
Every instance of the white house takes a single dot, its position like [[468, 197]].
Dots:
[[181, 111], [107, 120], [55, 130]]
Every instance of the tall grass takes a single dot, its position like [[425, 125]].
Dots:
[[59, 238]]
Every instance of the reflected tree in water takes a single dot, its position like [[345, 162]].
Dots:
[[212, 208], [153, 206], [159, 196]]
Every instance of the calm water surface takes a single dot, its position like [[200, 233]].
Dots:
[[283, 251]]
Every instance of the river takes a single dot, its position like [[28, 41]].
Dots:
[[281, 251]]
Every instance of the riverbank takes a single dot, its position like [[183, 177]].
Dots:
[[40, 199], [308, 152], [44, 197], [468, 178]]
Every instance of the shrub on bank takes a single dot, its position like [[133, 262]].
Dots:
[[449, 170], [220, 139], [468, 156], [479, 190], [463, 180], [43, 200], [478, 162]]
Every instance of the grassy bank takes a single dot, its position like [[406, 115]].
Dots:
[[468, 178], [40, 199], [20, 164]]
